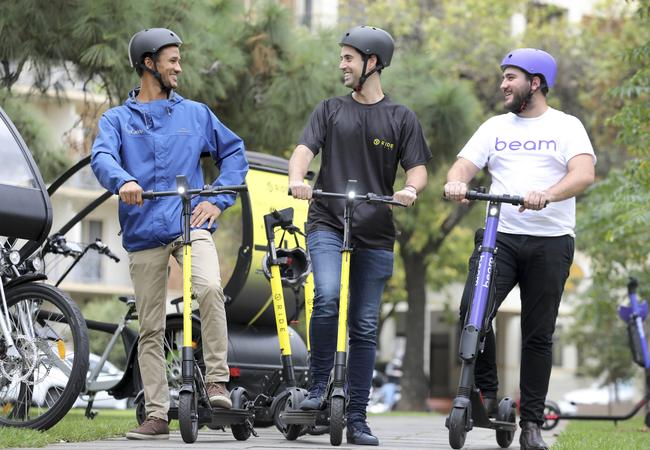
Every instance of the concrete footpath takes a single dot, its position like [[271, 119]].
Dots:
[[394, 432]]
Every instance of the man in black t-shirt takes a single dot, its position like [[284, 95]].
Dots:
[[363, 136]]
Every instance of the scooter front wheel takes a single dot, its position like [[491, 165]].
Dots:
[[188, 417], [457, 430], [337, 420]]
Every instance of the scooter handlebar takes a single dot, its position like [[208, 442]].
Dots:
[[505, 198], [206, 191]]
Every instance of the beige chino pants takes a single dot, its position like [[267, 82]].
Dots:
[[148, 270]]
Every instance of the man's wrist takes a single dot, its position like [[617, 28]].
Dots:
[[411, 188]]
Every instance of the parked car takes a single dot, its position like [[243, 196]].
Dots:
[[53, 383], [598, 394]]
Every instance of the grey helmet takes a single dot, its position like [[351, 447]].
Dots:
[[370, 41], [150, 41]]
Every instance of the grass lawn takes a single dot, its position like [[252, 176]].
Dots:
[[591, 435], [74, 427]]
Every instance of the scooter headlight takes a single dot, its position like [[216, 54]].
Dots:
[[37, 264], [14, 257]]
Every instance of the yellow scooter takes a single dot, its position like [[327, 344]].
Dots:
[[291, 268], [193, 405], [334, 412]]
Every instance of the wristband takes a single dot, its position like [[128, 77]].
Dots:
[[415, 191]]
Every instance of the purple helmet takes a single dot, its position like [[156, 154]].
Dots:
[[532, 61]]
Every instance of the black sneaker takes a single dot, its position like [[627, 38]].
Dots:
[[531, 437], [315, 399], [358, 433]]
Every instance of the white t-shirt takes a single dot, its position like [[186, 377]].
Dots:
[[530, 154]]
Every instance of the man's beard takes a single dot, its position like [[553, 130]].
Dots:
[[519, 100]]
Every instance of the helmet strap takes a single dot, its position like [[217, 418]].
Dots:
[[364, 75], [158, 76]]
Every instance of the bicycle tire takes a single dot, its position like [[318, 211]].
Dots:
[[57, 325]]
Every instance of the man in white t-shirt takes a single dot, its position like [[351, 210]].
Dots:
[[545, 156]]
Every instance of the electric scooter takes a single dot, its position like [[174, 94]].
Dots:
[[333, 414], [291, 267], [468, 410], [194, 407], [633, 315]]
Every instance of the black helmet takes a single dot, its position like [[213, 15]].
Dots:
[[295, 265], [371, 41], [150, 40]]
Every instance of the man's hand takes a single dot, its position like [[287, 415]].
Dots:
[[536, 200], [300, 190], [202, 212], [406, 196], [456, 190], [131, 193]]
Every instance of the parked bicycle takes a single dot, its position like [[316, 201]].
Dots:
[[40, 327]]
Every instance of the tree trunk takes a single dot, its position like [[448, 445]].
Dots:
[[415, 384]]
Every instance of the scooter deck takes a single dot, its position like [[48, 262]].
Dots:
[[218, 417], [315, 418]]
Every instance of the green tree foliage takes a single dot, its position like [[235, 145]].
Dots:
[[614, 223]]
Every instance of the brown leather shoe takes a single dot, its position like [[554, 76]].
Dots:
[[531, 437], [218, 395], [151, 428]]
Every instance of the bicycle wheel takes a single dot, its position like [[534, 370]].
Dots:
[[39, 385], [173, 347]]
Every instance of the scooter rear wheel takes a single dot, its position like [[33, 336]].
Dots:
[[239, 398], [188, 417], [291, 403], [506, 413], [457, 431], [337, 420]]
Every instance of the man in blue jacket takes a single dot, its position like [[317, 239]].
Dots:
[[143, 145]]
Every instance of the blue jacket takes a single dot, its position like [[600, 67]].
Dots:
[[151, 143]]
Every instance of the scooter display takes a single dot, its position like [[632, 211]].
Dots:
[[634, 314], [468, 410], [334, 413], [194, 408]]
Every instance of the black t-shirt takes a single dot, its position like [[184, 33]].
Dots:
[[364, 143]]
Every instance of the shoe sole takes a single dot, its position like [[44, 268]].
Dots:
[[221, 402], [147, 437]]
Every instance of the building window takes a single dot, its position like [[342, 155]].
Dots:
[[91, 266]]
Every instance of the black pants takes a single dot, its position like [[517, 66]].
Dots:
[[540, 265]]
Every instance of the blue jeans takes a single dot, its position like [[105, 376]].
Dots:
[[369, 271]]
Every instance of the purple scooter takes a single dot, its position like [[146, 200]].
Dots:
[[468, 410], [633, 315]]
